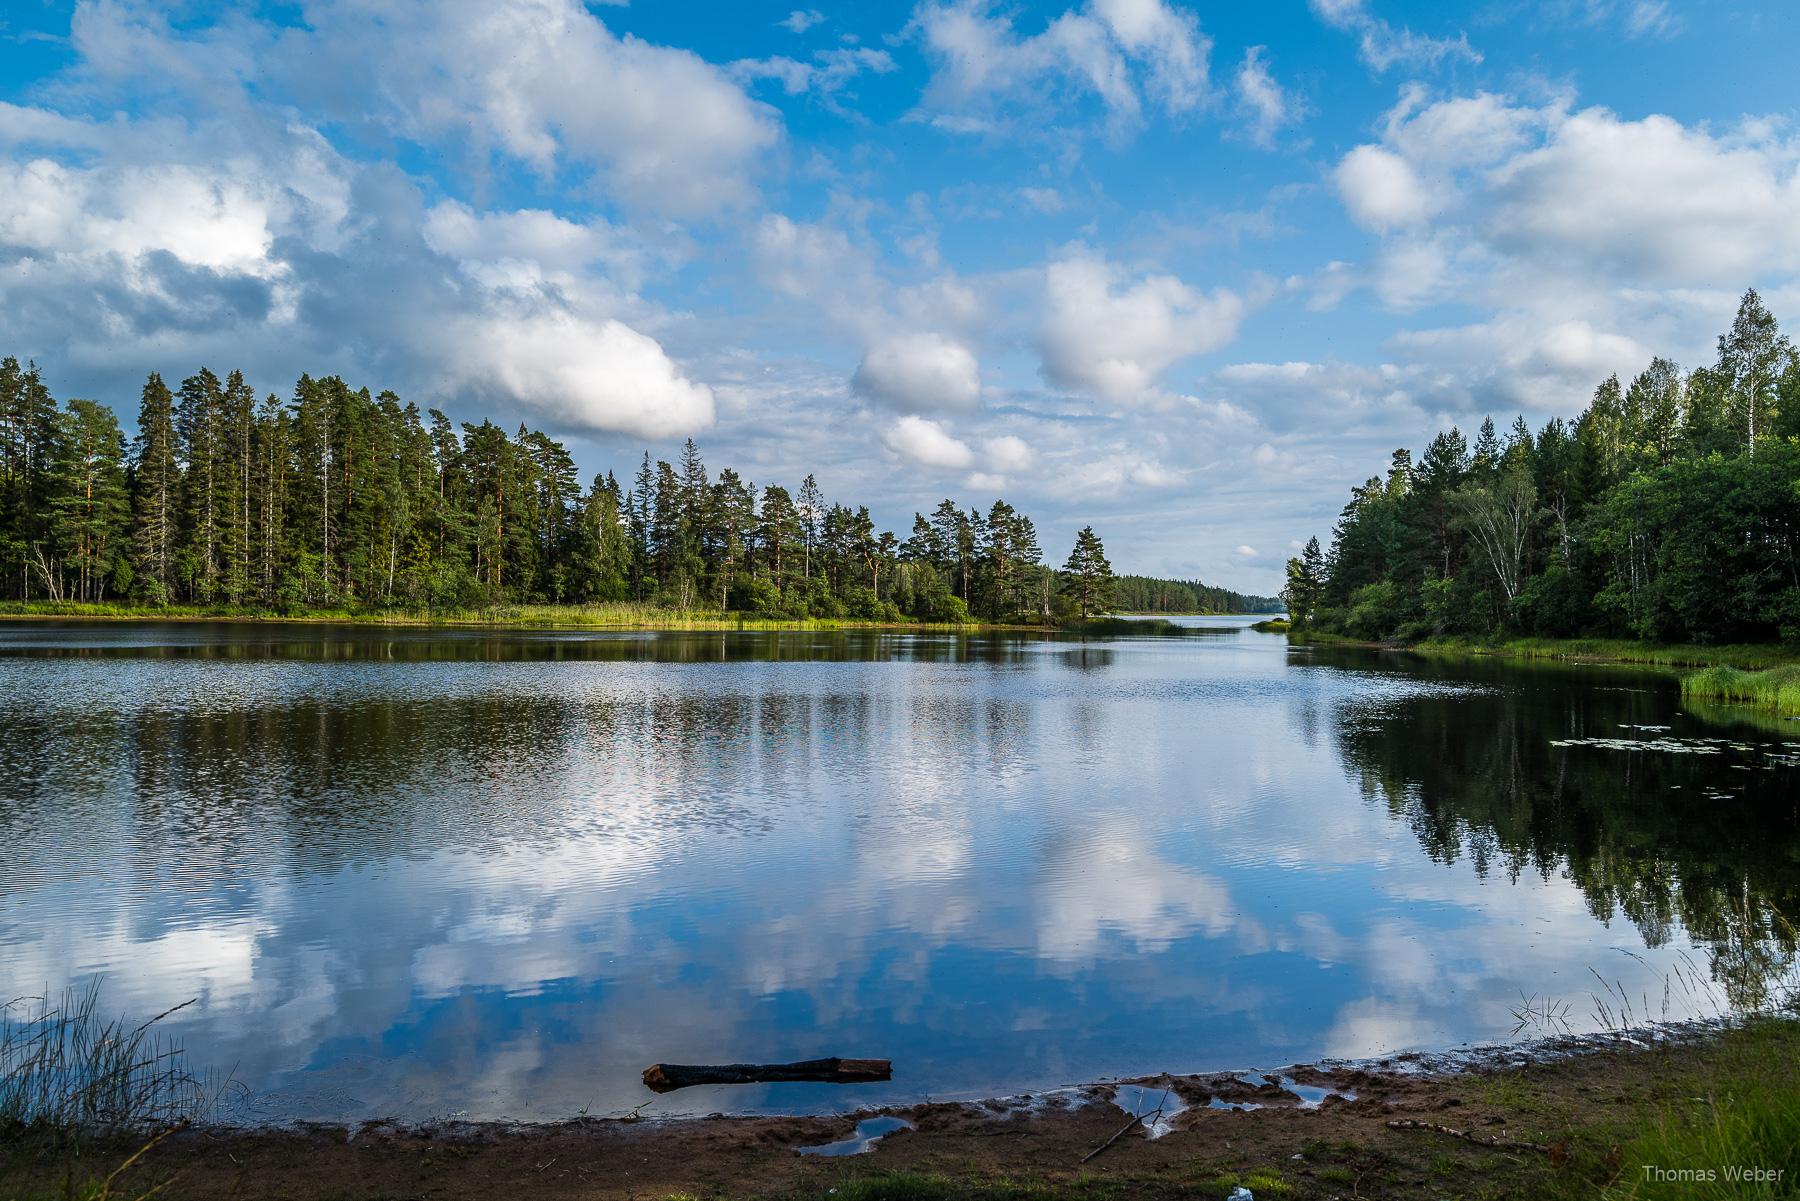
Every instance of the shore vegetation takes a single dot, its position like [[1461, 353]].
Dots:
[[1665, 513]]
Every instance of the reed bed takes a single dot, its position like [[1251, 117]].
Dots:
[[1776, 689], [67, 1070], [1617, 650]]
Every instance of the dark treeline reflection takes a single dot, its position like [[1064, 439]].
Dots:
[[350, 643], [1698, 836]]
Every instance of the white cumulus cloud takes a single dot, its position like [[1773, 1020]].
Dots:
[[1117, 51], [920, 372], [1266, 106], [1007, 453], [925, 443], [1381, 190], [1111, 336], [581, 374], [547, 83]]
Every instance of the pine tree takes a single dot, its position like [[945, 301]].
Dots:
[[90, 509], [1305, 583], [809, 508], [158, 480], [28, 429], [237, 429], [199, 421], [1087, 577]]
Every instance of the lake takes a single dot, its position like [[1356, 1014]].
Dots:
[[432, 873]]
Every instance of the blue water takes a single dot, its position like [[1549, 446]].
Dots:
[[422, 874]]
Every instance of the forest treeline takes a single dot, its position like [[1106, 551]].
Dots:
[[336, 498], [1145, 594], [1668, 510]]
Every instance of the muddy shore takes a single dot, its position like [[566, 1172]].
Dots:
[[1324, 1130]]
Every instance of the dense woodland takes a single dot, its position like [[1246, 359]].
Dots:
[[1143, 594], [1668, 510], [339, 499]]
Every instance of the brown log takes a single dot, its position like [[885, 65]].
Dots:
[[667, 1077]]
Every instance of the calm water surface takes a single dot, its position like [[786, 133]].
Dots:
[[425, 873]]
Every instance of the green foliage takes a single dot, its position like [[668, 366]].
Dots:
[[1305, 584], [1377, 610], [338, 500], [1669, 511]]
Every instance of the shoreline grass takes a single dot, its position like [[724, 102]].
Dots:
[[1617, 650], [1776, 689], [622, 616], [68, 1074]]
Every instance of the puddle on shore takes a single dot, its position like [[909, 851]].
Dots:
[[1155, 1105], [869, 1131], [1311, 1095]]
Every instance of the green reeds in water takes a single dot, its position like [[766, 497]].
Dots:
[[1776, 688], [67, 1071]]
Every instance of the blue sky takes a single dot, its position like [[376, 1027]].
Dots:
[[1183, 271]]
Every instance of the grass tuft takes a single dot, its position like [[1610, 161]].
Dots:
[[69, 1073]]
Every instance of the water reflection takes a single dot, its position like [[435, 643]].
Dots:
[[413, 873], [1683, 826]]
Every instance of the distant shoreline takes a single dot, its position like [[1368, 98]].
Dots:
[[619, 618]]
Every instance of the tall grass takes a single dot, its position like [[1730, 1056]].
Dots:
[[67, 1071], [620, 615], [1776, 689], [1618, 650], [1742, 1111]]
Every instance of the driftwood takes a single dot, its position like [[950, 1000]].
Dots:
[[1137, 1119], [1468, 1136], [667, 1077]]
